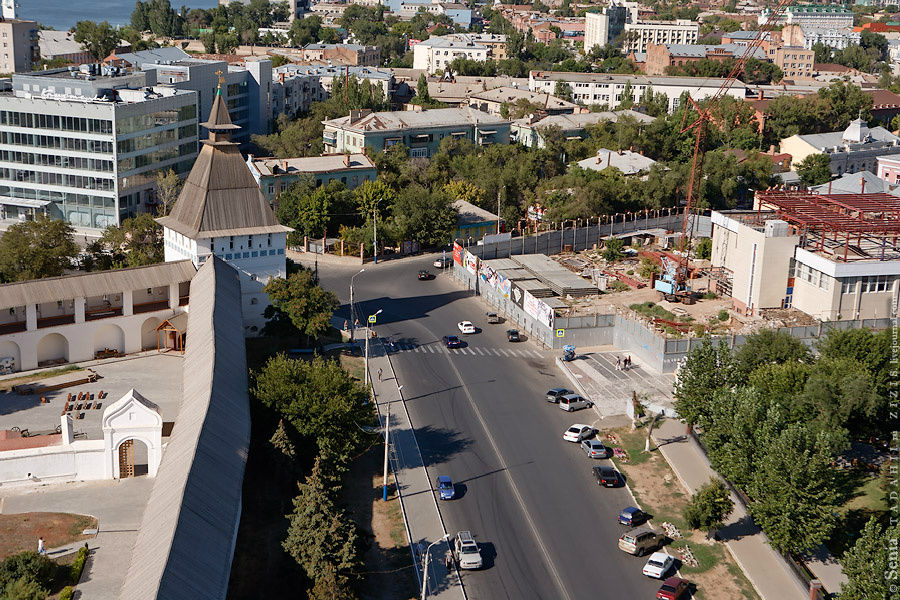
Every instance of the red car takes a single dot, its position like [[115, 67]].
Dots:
[[673, 588]]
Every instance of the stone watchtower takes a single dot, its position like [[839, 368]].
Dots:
[[221, 211]]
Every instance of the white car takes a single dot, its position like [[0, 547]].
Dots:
[[578, 432], [658, 565], [466, 327], [441, 263]]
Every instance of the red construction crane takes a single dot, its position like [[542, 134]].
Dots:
[[704, 117]]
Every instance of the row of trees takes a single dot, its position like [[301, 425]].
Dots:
[[774, 418], [322, 411]]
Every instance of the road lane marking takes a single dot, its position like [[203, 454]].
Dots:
[[478, 350], [504, 468], [497, 352]]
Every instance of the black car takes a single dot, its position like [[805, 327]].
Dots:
[[606, 476], [512, 335], [452, 341], [424, 275]]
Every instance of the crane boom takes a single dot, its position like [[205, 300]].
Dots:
[[704, 116]]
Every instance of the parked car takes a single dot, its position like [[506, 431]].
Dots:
[[606, 476], [595, 449], [452, 341], [640, 540], [632, 516], [466, 327], [658, 565], [673, 588], [446, 488], [467, 553], [424, 275], [512, 335], [570, 402], [555, 394], [442, 263], [494, 318], [578, 432]]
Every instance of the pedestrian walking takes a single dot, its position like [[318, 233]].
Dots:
[[379, 374], [391, 342], [618, 363], [628, 361], [41, 549], [345, 324], [448, 562]]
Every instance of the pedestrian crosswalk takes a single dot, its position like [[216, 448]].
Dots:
[[438, 348]]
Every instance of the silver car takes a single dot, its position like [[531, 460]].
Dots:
[[595, 449]]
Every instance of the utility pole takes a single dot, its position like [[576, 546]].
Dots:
[[387, 445], [353, 310], [498, 207], [368, 335], [375, 234]]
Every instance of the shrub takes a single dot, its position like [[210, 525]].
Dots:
[[723, 315], [67, 593], [27, 565], [629, 272], [699, 330], [648, 268], [23, 589], [77, 565], [613, 250], [709, 296], [709, 506]]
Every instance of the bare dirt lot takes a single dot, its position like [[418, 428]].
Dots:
[[661, 495], [20, 532]]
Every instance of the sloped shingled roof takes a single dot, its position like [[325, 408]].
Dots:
[[220, 196], [185, 543], [99, 283]]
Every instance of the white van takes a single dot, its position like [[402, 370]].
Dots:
[[571, 402]]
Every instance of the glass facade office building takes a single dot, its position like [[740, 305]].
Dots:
[[92, 162]]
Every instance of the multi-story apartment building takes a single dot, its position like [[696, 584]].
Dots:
[[19, 52], [297, 86], [420, 131], [600, 89], [460, 14], [662, 56], [86, 147], [355, 55], [274, 175], [643, 33], [247, 89], [829, 17], [794, 62], [857, 148], [435, 54], [493, 101]]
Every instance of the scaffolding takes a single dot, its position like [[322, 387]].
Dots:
[[845, 226]]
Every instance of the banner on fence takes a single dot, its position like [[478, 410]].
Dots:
[[517, 295], [538, 310], [457, 254], [471, 263], [503, 285], [488, 275]]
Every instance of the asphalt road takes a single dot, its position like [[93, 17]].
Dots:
[[546, 529]]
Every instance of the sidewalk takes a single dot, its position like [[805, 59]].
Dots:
[[417, 500], [762, 565]]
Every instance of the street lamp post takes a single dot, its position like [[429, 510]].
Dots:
[[368, 335], [425, 564], [387, 430], [353, 310]]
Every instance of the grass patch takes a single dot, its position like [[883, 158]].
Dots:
[[7, 384], [633, 443], [708, 556], [355, 365], [865, 499], [651, 309]]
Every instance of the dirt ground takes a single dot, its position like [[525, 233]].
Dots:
[[21, 532], [661, 495], [388, 572]]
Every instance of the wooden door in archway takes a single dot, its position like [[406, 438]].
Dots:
[[126, 459]]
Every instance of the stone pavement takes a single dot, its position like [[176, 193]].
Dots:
[[762, 565], [117, 505], [418, 502], [594, 375]]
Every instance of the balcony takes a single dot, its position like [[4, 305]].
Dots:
[[183, 300], [145, 307], [55, 321], [101, 313], [13, 327]]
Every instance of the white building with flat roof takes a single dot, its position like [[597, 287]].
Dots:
[[436, 54], [639, 35], [86, 148]]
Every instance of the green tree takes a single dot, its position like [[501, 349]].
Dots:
[[28, 566], [374, 196], [424, 216], [281, 441], [612, 250], [320, 535], [869, 562], [300, 301], [23, 589], [703, 249], [707, 369], [305, 31], [138, 242], [331, 585], [793, 488], [562, 90], [627, 97], [769, 347], [34, 249], [815, 169], [840, 393], [100, 39], [168, 187], [709, 506]]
